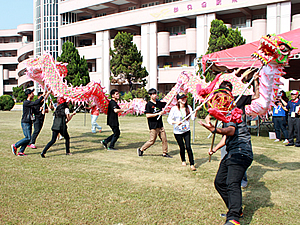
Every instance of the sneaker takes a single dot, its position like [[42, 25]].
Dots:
[[14, 149], [290, 144], [183, 163], [31, 146], [43, 155], [104, 144], [193, 168], [93, 132], [139, 152], [100, 130], [244, 183], [167, 155], [69, 153], [285, 141], [232, 222], [21, 154], [60, 137], [276, 140], [112, 149]]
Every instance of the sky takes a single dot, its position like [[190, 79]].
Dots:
[[15, 12]]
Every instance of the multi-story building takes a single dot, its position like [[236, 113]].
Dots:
[[16, 45], [169, 33]]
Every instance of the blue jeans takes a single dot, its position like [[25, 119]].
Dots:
[[94, 123], [27, 129]]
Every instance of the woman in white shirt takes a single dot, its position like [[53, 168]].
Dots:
[[181, 128]]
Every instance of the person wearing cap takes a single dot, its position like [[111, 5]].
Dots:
[[39, 113], [293, 118], [26, 122], [153, 111], [61, 118], [181, 129]]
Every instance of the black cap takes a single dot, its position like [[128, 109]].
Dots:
[[180, 95], [29, 91]]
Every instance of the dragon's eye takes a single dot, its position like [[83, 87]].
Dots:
[[284, 48]]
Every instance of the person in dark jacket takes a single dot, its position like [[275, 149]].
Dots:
[[26, 122], [39, 113], [61, 118]]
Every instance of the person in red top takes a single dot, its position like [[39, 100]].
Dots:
[[94, 116]]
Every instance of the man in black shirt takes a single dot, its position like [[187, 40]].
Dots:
[[156, 127], [113, 120], [39, 113], [233, 165], [26, 121]]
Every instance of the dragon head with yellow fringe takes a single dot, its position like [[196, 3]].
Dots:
[[273, 48]]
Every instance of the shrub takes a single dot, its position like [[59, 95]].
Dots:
[[6, 102]]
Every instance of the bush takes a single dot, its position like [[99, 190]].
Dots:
[[6, 102], [19, 94]]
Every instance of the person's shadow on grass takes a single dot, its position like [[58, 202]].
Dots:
[[257, 194]]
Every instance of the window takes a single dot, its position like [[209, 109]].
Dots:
[[149, 4], [176, 30], [239, 22], [168, 1], [7, 54], [131, 8], [12, 40], [101, 14]]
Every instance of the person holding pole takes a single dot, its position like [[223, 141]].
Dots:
[[61, 118], [181, 129], [238, 158], [153, 111], [94, 116], [113, 121], [27, 120]]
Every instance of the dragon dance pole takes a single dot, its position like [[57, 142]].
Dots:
[[213, 141], [171, 99]]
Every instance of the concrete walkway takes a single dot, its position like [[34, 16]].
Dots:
[[17, 108]]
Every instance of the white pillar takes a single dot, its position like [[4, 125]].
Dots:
[[103, 63], [285, 16], [153, 56], [1, 81], [279, 18], [145, 46], [272, 19], [203, 23]]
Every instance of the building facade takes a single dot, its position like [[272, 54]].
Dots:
[[169, 33], [16, 45]]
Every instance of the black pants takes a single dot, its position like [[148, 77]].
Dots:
[[38, 124], [228, 183], [53, 140], [186, 137], [114, 137], [293, 123], [280, 124]]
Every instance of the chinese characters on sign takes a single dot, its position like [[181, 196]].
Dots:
[[203, 5]]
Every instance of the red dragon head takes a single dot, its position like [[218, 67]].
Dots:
[[273, 48]]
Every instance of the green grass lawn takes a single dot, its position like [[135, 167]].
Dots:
[[94, 186]]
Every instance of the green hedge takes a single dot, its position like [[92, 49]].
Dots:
[[6, 102]]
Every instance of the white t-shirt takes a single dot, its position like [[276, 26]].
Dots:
[[177, 115]]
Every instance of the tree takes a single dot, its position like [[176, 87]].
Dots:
[[77, 67], [127, 61], [223, 38], [19, 94]]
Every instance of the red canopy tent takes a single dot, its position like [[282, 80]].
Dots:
[[240, 56]]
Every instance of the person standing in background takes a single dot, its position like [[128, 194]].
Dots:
[[279, 121], [94, 116]]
